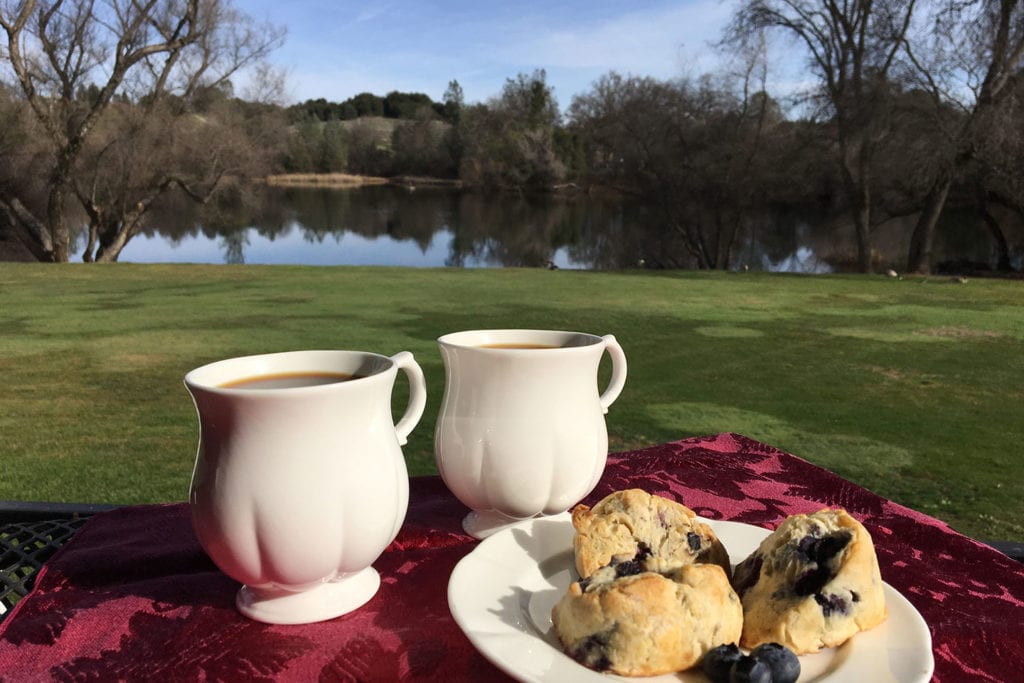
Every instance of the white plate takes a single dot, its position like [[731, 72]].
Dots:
[[501, 596]]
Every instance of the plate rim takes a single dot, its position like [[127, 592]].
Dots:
[[921, 632]]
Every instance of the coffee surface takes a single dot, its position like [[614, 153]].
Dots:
[[518, 346], [289, 380]]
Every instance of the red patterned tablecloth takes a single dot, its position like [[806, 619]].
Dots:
[[133, 597]]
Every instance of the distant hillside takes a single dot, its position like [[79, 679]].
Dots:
[[370, 146], [380, 127], [377, 128]]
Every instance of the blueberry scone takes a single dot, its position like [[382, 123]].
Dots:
[[634, 526], [813, 583], [647, 623]]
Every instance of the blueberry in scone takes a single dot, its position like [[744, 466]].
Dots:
[[646, 623], [633, 526], [812, 583]]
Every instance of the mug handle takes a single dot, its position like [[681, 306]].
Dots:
[[417, 395], [618, 379]]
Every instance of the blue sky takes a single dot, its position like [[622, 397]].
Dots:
[[338, 49]]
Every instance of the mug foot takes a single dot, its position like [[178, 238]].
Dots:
[[483, 524], [320, 603]]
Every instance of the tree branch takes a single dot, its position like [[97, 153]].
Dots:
[[29, 229]]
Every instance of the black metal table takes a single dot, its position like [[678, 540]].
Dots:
[[30, 533]]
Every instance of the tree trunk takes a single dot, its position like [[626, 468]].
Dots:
[[727, 240], [56, 216], [998, 238], [707, 262], [115, 235], [919, 258], [861, 211], [29, 230], [693, 242], [111, 244], [858, 192], [87, 256]]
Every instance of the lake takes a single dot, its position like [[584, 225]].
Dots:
[[393, 226]]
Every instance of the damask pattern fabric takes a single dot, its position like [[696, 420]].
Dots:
[[133, 597]]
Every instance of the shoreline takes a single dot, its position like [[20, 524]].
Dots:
[[341, 180], [411, 183], [322, 180]]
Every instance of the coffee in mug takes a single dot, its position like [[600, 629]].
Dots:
[[289, 380], [518, 346]]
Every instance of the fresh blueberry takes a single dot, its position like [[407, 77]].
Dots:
[[718, 662], [693, 540], [750, 670], [783, 664]]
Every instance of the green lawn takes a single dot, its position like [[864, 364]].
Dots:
[[913, 388]]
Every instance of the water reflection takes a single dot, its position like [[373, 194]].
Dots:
[[435, 228]]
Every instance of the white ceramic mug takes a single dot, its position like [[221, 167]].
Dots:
[[297, 491], [521, 431]]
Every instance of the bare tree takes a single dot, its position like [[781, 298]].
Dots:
[[996, 171], [692, 151], [627, 120], [852, 47], [972, 63], [136, 155], [71, 60], [22, 159]]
